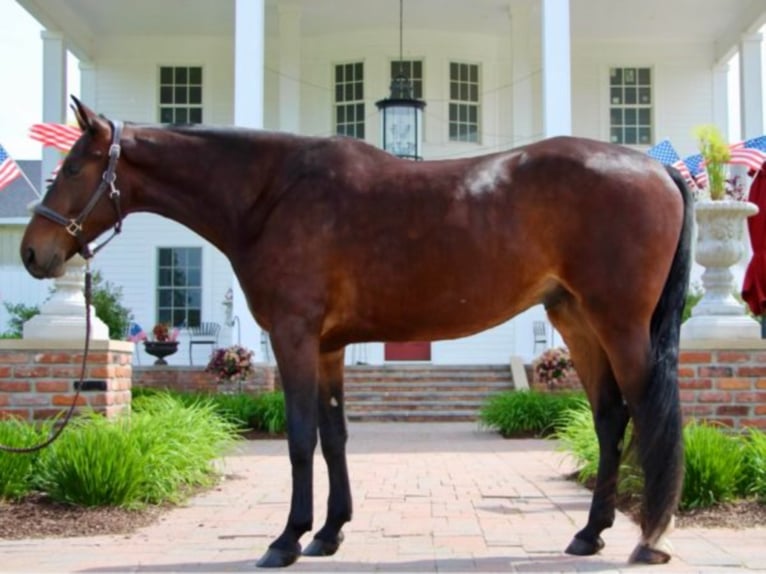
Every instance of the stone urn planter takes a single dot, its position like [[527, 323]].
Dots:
[[160, 350], [720, 244]]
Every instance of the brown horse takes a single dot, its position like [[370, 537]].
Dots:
[[336, 242]]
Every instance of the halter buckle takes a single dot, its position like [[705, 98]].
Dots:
[[73, 228]]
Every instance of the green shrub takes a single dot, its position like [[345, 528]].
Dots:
[[107, 303], [149, 457], [577, 436], [270, 414], [262, 411], [18, 468], [714, 461], [753, 479], [19, 314], [525, 413], [93, 463]]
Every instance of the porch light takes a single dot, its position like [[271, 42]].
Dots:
[[401, 114]]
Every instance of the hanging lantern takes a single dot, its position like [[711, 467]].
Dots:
[[401, 118], [401, 115]]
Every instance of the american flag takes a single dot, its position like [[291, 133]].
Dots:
[[751, 153], [696, 167], [9, 169], [666, 154], [136, 333], [60, 136]]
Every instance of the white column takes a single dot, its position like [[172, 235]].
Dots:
[[751, 86], [249, 37], [289, 68], [721, 97], [88, 83], [54, 93], [557, 78]]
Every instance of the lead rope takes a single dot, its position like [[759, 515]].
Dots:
[[70, 412]]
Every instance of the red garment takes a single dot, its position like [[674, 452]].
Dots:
[[754, 285]]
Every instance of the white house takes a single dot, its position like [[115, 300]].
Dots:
[[493, 73]]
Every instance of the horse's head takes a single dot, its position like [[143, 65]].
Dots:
[[82, 201]]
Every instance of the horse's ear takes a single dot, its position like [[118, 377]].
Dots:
[[86, 118]]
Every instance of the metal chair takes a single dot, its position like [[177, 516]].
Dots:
[[203, 334], [540, 331]]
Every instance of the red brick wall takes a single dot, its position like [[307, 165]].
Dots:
[[37, 377], [196, 379], [727, 386]]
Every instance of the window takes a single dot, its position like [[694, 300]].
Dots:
[[179, 286], [463, 102], [349, 100], [180, 94], [413, 71], [630, 106]]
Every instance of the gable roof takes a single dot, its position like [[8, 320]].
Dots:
[[18, 194]]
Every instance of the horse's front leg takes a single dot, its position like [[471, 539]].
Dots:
[[297, 357], [333, 433]]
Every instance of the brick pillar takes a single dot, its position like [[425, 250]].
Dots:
[[38, 377]]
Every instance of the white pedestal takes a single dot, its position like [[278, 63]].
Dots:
[[63, 315], [720, 327]]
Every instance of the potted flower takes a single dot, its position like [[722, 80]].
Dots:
[[232, 364], [554, 369], [162, 344], [715, 152], [720, 244]]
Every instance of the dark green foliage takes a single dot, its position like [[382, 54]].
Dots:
[[714, 460], [19, 314], [692, 298], [270, 415], [16, 469], [262, 412], [107, 302], [753, 479], [719, 466], [528, 413], [150, 457]]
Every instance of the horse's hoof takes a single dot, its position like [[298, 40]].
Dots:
[[643, 554], [319, 547], [277, 558], [580, 547]]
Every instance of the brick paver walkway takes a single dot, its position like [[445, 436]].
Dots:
[[428, 498]]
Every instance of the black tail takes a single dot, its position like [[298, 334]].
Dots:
[[660, 442]]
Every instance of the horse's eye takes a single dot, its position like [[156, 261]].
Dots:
[[70, 168]]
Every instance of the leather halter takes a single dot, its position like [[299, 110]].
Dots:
[[75, 226]]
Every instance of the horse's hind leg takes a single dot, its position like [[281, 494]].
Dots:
[[610, 417], [333, 434], [652, 400]]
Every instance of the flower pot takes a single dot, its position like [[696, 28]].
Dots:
[[160, 350], [720, 244]]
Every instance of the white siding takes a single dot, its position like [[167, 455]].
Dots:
[[128, 71], [683, 88]]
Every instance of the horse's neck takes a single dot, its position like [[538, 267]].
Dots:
[[201, 181]]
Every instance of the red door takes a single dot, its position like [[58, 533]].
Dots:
[[413, 351]]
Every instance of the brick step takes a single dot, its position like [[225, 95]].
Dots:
[[420, 395], [422, 392], [413, 417], [392, 387], [412, 375]]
